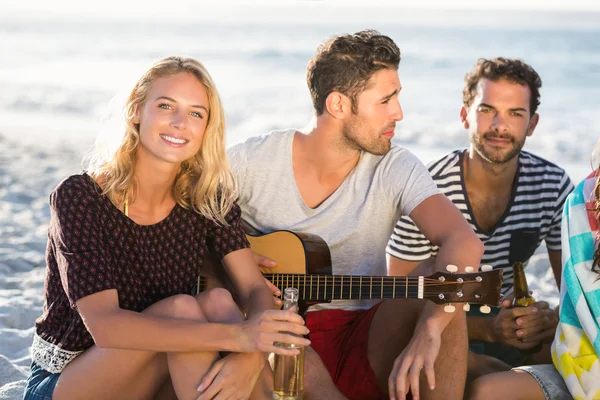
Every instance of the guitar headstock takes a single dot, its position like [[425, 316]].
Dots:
[[482, 287]]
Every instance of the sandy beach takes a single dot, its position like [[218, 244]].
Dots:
[[28, 171]]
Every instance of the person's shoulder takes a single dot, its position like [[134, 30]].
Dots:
[[446, 164], [534, 163], [402, 157], [75, 185], [254, 143], [536, 172], [397, 160], [399, 153], [75, 191]]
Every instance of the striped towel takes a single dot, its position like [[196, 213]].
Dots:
[[577, 342]]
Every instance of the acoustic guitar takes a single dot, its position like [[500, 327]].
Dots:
[[304, 262]]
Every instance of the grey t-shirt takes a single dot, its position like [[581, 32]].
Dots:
[[356, 221]]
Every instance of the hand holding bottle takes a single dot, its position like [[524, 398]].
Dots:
[[260, 332], [509, 321], [540, 327], [537, 326]]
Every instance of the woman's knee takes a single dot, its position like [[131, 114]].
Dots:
[[178, 306], [218, 306]]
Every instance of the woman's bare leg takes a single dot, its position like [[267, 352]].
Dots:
[[218, 306], [131, 374], [482, 364], [514, 385]]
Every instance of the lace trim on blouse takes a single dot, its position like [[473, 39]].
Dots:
[[49, 356]]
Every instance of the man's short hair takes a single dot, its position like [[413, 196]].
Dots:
[[345, 64], [510, 69]]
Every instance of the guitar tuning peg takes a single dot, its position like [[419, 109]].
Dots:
[[466, 307], [449, 308], [451, 268], [485, 309], [469, 269], [486, 268]]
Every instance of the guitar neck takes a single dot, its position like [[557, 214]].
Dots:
[[350, 287]]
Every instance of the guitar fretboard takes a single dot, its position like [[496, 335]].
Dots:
[[349, 287]]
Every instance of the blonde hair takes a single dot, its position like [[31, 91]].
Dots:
[[204, 182]]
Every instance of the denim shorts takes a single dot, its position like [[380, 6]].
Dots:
[[40, 384], [550, 380]]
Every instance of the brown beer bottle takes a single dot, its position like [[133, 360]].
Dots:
[[522, 296]]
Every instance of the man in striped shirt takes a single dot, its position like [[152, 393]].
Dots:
[[512, 199]]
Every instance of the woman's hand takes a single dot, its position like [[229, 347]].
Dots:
[[260, 332], [232, 377]]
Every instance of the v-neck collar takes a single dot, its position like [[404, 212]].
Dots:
[[332, 196], [478, 228]]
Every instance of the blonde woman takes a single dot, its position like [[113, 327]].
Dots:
[[125, 245]]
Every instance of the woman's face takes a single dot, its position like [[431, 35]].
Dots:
[[173, 119]]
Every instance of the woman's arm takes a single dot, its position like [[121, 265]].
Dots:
[[249, 283], [113, 327]]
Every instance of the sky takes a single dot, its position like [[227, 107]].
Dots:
[[145, 8]]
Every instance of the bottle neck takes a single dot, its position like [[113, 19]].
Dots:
[[520, 281], [290, 299], [290, 305]]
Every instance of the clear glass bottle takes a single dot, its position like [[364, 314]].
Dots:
[[288, 371]]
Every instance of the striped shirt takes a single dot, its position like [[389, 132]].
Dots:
[[533, 214]]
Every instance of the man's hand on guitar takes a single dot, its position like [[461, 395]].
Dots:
[[261, 331], [265, 262]]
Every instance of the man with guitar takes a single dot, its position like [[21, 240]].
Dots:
[[513, 200], [344, 181]]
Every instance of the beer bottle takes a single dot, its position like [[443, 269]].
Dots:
[[288, 371], [522, 296]]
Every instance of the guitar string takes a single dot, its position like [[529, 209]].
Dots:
[[336, 283], [425, 295], [387, 283], [378, 278]]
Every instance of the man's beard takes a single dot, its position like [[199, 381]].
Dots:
[[496, 156], [376, 146]]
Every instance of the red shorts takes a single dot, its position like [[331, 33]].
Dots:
[[341, 339]]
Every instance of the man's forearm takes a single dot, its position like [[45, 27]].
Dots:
[[434, 317], [461, 249]]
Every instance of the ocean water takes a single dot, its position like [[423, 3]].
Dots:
[[58, 73]]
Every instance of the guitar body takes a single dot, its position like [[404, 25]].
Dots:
[[294, 252]]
